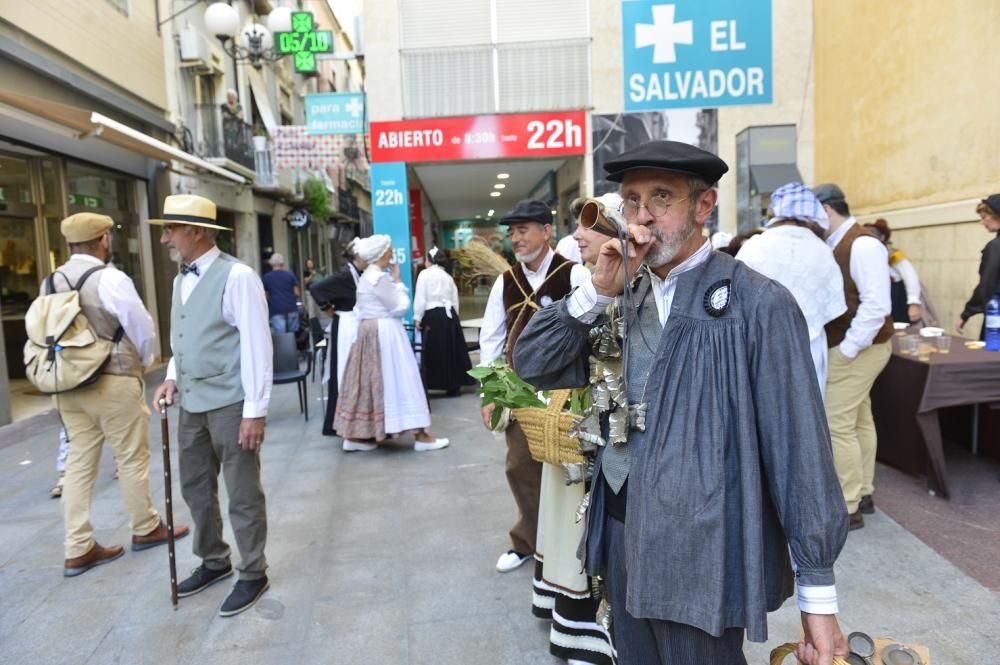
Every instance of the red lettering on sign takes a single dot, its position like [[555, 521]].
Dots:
[[480, 137]]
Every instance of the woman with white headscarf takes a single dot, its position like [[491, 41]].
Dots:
[[381, 392], [791, 252], [435, 311]]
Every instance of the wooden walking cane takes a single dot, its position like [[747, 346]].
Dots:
[[168, 495]]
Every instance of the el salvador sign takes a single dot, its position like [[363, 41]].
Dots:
[[695, 53], [335, 113]]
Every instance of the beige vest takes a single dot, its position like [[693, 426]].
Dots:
[[124, 359]]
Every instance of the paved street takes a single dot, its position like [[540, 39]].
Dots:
[[383, 558]]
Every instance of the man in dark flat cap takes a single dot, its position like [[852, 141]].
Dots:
[[716, 461], [540, 277]]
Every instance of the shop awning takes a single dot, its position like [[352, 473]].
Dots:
[[87, 124], [259, 90], [769, 177]]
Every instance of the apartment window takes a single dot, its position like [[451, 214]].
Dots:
[[121, 5], [508, 55]]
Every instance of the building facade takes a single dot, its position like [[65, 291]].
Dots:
[[137, 111], [906, 123]]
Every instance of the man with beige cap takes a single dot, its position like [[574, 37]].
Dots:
[[221, 372], [112, 408]]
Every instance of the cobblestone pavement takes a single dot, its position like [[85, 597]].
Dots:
[[380, 558]]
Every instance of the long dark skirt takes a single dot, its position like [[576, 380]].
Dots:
[[445, 356], [332, 393]]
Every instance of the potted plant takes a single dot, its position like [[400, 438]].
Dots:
[[316, 199], [260, 137]]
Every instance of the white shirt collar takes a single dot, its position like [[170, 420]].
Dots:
[[206, 259], [838, 235], [88, 258], [543, 268], [690, 263]]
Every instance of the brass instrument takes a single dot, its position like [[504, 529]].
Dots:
[[595, 217]]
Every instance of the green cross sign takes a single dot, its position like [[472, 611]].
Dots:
[[304, 42]]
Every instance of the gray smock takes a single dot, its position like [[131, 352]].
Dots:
[[735, 466]]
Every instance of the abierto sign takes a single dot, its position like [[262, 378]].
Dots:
[[693, 53], [479, 137]]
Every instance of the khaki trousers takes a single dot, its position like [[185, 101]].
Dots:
[[849, 415], [113, 409], [524, 475], [209, 442]]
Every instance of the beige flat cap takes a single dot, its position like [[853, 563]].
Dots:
[[84, 226]]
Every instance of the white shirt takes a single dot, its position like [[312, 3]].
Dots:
[[244, 307], [435, 288], [903, 271], [585, 305], [797, 259], [869, 268], [118, 296], [567, 248], [493, 333], [379, 297]]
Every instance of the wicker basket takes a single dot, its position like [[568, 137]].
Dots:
[[547, 431], [779, 654]]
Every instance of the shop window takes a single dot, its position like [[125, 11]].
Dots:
[[107, 193]]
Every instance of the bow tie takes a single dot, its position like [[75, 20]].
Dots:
[[185, 269]]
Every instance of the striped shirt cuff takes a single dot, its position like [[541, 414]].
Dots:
[[817, 599], [585, 304]]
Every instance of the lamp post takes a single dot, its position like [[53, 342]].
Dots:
[[255, 42]]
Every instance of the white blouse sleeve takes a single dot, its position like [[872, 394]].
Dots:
[[420, 296]]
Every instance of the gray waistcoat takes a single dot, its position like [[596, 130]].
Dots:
[[616, 459], [124, 360], [206, 348]]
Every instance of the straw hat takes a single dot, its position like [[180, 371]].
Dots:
[[188, 209]]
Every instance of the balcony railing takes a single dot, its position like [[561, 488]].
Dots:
[[226, 136]]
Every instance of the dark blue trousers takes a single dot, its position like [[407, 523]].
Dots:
[[655, 642]]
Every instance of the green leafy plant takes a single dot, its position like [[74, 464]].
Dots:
[[316, 198], [502, 387]]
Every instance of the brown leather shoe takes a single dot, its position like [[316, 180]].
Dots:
[[855, 521], [95, 557], [867, 505], [157, 536]]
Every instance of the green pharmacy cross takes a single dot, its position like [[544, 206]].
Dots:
[[304, 42]]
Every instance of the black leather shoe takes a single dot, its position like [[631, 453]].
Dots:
[[244, 594], [855, 521], [202, 578], [867, 505]]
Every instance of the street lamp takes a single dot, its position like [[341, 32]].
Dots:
[[255, 42]]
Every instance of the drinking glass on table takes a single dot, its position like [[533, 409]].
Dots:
[[943, 344]]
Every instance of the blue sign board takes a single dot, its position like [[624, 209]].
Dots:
[[693, 53], [391, 215], [335, 113]]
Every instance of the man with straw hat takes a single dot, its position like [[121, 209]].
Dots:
[[110, 409], [221, 373]]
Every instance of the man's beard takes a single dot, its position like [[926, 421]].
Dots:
[[668, 244], [529, 257]]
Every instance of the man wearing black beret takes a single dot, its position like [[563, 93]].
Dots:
[[717, 462], [539, 278]]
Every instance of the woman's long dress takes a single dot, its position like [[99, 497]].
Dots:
[[445, 354], [381, 391]]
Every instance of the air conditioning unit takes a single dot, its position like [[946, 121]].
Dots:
[[197, 55]]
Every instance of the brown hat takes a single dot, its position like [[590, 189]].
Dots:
[[188, 209], [85, 226]]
